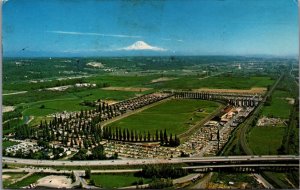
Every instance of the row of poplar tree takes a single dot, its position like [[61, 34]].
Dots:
[[135, 136]]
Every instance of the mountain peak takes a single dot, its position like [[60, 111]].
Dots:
[[141, 45]]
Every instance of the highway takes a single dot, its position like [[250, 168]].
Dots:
[[127, 162], [241, 165]]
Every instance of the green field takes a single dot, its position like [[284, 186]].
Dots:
[[123, 81], [72, 101], [109, 181], [8, 127], [176, 116], [265, 140], [222, 82], [10, 178], [53, 107], [237, 178], [279, 107], [6, 144], [27, 181]]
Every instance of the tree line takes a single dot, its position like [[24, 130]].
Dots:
[[162, 171], [134, 136]]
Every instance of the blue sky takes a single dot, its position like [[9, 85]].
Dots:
[[168, 27]]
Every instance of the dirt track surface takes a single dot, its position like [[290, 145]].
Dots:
[[129, 89], [239, 91]]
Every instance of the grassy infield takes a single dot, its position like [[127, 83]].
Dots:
[[168, 116]]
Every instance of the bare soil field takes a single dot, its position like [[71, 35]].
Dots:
[[5, 176], [162, 79], [250, 91], [53, 181], [129, 89], [59, 88], [291, 100], [95, 64], [7, 108], [109, 102]]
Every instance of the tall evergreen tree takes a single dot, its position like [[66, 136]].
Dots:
[[171, 142], [161, 137], [177, 141], [149, 136], [132, 136], [165, 137], [127, 134], [124, 135], [136, 135]]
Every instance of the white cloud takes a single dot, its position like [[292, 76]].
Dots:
[[169, 39], [141, 45], [93, 34], [87, 50], [4, 1]]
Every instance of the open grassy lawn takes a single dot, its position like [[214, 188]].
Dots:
[[95, 94], [237, 178], [279, 107], [71, 101], [9, 178], [175, 116], [222, 82], [54, 106], [6, 144], [123, 80], [8, 127], [281, 180], [109, 181], [27, 181], [37, 120], [265, 140]]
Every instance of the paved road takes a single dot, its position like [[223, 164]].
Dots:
[[53, 171], [21, 92], [262, 180], [187, 178], [28, 162], [203, 183], [240, 165]]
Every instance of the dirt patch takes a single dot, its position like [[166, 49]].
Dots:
[[95, 64], [110, 102], [59, 88], [250, 91], [267, 121], [5, 176], [162, 79], [129, 89], [53, 181], [7, 108], [290, 100]]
